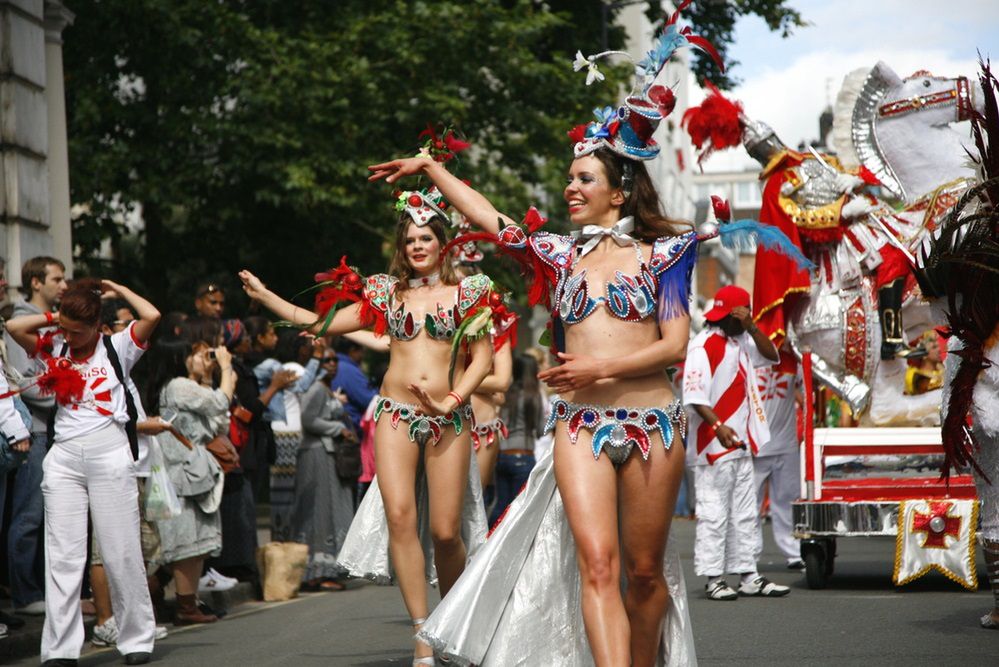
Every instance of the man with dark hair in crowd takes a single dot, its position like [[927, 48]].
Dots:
[[43, 281], [209, 300], [351, 380]]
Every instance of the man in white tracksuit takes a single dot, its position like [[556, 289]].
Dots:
[[727, 426], [780, 462]]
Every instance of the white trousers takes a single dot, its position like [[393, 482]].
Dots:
[[95, 470], [783, 471], [727, 518]]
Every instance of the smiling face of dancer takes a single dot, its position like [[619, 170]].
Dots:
[[590, 195], [418, 252]]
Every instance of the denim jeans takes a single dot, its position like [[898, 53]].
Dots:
[[26, 539], [512, 471]]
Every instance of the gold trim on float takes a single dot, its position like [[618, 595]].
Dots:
[[972, 544]]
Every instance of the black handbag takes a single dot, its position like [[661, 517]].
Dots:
[[347, 458]]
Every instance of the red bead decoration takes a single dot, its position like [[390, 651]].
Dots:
[[415, 200]]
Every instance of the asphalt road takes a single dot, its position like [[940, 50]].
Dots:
[[860, 619]]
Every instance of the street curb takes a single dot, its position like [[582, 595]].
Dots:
[[27, 641]]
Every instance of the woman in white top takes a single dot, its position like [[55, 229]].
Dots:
[[90, 465]]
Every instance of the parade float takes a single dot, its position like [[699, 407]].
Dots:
[[864, 212]]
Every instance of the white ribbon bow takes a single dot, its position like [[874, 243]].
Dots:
[[591, 235]]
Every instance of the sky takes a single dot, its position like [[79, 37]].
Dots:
[[788, 82]]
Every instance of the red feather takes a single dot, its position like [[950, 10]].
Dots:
[[62, 379], [714, 125], [706, 46], [454, 144], [672, 18], [577, 133]]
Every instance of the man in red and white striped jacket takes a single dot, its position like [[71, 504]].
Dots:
[[728, 426]]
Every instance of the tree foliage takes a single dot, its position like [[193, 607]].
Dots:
[[239, 131]]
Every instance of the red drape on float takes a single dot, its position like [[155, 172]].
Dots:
[[778, 280]]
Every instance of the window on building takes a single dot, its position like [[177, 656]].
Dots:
[[703, 191], [747, 193]]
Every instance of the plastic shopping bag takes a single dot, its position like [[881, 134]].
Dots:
[[161, 500]]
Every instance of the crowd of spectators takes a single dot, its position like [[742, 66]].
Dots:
[[287, 408]]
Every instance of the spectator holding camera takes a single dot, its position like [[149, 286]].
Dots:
[[182, 386]]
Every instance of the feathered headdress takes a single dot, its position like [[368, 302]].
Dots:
[[628, 130], [423, 205]]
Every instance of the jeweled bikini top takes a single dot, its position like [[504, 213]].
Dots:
[[631, 298], [441, 324]]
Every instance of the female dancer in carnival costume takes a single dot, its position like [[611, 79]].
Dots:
[[624, 276], [434, 321]]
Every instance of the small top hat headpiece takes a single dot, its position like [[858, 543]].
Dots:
[[628, 130]]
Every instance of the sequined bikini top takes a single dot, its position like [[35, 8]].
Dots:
[[631, 298], [441, 323]]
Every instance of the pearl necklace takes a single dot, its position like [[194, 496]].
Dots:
[[425, 281]]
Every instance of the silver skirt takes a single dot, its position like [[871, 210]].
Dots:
[[519, 602], [365, 551]]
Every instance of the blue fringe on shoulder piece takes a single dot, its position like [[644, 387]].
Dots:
[[673, 294], [741, 234]]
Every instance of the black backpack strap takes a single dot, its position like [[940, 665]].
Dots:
[[50, 423], [133, 414]]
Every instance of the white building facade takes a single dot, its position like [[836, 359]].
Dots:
[[34, 161]]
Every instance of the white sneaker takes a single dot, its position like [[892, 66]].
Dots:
[[213, 582], [3, 630], [219, 575], [105, 634], [719, 590], [161, 632], [36, 608], [763, 587]]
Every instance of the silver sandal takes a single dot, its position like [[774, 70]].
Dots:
[[428, 661]]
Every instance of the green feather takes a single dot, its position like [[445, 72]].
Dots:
[[471, 328]]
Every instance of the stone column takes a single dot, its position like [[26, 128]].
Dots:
[[24, 201], [57, 18]]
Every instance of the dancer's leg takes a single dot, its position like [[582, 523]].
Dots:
[[447, 476], [396, 461], [589, 493], [648, 498]]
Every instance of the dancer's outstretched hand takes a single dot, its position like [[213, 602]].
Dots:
[[393, 170], [430, 405], [252, 285], [577, 371]]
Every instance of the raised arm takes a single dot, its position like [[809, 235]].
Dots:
[[479, 211], [24, 329], [345, 320], [148, 315]]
